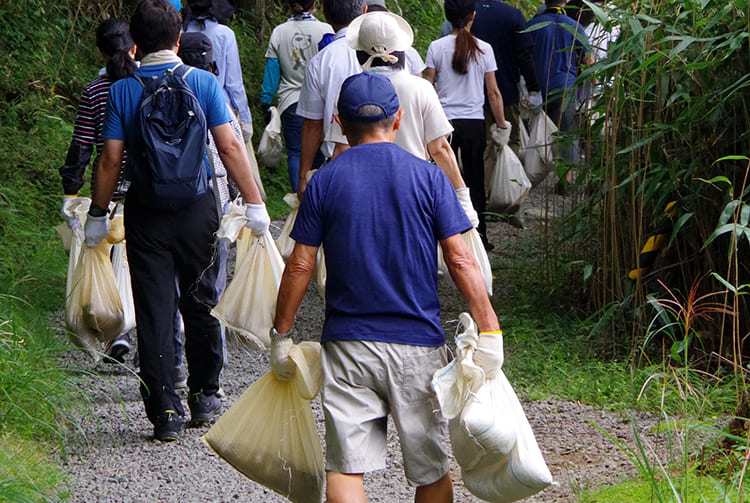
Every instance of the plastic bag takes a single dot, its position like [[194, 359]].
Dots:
[[124, 286], [474, 242], [492, 440], [539, 158], [254, 168], [270, 148], [249, 301], [269, 433], [284, 242], [509, 185]]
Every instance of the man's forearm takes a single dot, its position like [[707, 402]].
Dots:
[[312, 131], [465, 272], [297, 275], [445, 158], [234, 157], [107, 173]]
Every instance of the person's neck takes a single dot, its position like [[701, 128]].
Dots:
[[379, 136]]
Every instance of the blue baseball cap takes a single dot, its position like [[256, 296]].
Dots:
[[367, 89]]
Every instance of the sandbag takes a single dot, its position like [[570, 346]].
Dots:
[[523, 135], [284, 242], [474, 242], [124, 287], [271, 148], [539, 158], [269, 434], [93, 310], [320, 272], [492, 440], [249, 301], [509, 185]]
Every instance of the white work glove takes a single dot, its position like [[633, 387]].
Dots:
[[96, 229], [257, 218], [465, 199], [535, 100], [247, 131], [282, 366], [70, 216], [489, 353], [500, 136]]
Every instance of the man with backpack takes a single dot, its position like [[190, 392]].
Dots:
[[162, 117]]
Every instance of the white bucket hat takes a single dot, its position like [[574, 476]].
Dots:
[[379, 34]]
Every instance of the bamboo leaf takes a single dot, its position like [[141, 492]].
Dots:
[[684, 44], [678, 225], [729, 286], [718, 232]]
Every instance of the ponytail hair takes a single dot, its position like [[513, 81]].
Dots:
[[299, 7], [466, 45], [114, 41]]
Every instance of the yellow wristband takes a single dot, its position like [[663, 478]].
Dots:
[[495, 332]]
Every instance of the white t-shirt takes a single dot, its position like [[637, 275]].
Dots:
[[324, 75], [294, 44], [462, 96], [414, 62], [423, 119]]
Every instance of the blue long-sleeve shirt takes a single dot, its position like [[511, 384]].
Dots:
[[227, 59]]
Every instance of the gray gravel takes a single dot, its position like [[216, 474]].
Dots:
[[118, 461]]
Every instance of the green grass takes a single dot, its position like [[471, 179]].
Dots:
[[700, 490], [27, 474]]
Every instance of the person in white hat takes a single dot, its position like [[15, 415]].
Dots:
[[381, 40]]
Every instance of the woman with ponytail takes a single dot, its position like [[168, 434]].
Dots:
[[291, 46], [461, 66], [115, 44]]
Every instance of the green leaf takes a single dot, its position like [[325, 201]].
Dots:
[[719, 231], [678, 225], [729, 286], [684, 44]]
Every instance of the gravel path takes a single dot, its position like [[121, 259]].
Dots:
[[118, 461]]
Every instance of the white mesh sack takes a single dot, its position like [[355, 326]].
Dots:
[[269, 433], [492, 440], [539, 158], [284, 242]]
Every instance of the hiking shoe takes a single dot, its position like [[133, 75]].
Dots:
[[116, 351], [168, 426], [203, 408], [180, 380], [220, 392]]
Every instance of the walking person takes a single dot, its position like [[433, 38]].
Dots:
[[171, 236], [292, 45], [208, 16], [380, 213], [502, 26], [115, 44], [461, 66], [560, 47], [323, 77]]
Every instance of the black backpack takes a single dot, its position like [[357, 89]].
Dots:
[[169, 169]]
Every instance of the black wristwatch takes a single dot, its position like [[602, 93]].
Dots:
[[97, 211]]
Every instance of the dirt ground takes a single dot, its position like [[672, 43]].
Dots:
[[118, 461]]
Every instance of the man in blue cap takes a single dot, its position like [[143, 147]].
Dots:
[[379, 213]]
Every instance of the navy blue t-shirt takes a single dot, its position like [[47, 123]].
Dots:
[[379, 212], [500, 25], [556, 67]]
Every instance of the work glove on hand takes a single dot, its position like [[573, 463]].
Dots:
[[96, 229], [71, 218], [489, 353], [465, 199], [282, 366], [535, 100], [501, 136], [257, 218], [247, 131], [266, 112]]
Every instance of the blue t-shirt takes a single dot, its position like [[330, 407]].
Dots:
[[556, 67], [379, 212], [125, 96], [500, 25]]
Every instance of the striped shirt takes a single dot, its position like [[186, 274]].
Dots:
[[87, 133]]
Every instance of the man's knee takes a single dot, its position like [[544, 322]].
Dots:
[[345, 488]]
